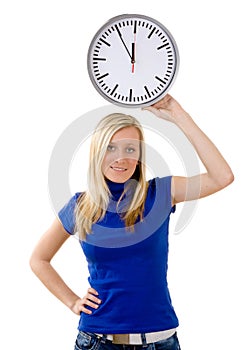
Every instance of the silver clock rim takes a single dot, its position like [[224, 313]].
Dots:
[[164, 92]]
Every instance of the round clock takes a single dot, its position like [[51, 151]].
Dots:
[[133, 60]]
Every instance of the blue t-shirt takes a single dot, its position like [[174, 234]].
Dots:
[[128, 269]]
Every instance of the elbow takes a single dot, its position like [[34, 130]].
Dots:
[[37, 263], [33, 263], [231, 177], [226, 179]]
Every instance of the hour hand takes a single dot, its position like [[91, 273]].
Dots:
[[133, 57], [133, 53]]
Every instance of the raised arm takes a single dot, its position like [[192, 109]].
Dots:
[[218, 173]]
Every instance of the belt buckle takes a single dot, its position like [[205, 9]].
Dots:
[[121, 339]]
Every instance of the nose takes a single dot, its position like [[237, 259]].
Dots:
[[120, 156]]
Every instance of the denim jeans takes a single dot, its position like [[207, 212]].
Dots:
[[90, 341]]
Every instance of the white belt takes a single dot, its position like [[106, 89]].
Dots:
[[136, 339]]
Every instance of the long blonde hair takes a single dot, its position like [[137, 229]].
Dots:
[[92, 204]]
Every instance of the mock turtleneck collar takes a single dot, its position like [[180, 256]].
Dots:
[[115, 188]]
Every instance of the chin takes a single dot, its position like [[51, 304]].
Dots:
[[117, 178]]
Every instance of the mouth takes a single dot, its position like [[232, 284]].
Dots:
[[119, 169]]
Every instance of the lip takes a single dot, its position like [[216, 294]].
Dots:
[[118, 169]]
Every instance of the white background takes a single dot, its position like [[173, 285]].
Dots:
[[44, 86]]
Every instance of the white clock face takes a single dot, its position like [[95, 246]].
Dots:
[[133, 60]]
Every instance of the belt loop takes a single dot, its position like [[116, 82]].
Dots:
[[144, 342], [103, 338]]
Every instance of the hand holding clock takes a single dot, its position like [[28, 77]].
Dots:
[[169, 109], [218, 173]]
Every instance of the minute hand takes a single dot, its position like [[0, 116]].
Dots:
[[120, 35]]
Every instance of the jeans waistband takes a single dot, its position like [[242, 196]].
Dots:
[[138, 338]]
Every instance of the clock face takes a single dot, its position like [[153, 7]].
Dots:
[[133, 60]]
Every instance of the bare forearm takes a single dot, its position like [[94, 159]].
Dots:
[[217, 168], [54, 283], [218, 173]]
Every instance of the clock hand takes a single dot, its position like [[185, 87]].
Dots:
[[132, 57], [133, 48], [120, 35]]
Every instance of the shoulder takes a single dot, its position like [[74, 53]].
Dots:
[[71, 203], [67, 213], [160, 183], [159, 191], [76, 196]]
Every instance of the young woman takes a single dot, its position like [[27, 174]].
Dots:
[[122, 222]]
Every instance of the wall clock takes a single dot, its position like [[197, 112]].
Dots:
[[133, 60]]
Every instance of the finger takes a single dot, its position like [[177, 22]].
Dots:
[[91, 301], [93, 298], [154, 110], [90, 295], [150, 109], [85, 310], [166, 99], [164, 102], [91, 304], [92, 291]]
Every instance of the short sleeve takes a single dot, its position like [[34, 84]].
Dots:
[[67, 214], [164, 186]]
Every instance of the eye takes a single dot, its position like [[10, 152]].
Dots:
[[111, 148], [130, 150]]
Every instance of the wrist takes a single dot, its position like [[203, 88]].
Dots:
[[183, 119], [72, 302]]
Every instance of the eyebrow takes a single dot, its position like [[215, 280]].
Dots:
[[128, 143]]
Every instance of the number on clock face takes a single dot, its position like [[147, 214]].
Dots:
[[132, 60]]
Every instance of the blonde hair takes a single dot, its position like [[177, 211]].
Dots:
[[92, 204]]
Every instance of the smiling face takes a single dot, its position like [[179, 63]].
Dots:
[[122, 155]]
